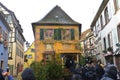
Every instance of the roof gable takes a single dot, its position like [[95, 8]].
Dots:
[[57, 16], [85, 34]]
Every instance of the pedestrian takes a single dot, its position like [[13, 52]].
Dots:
[[89, 71], [99, 70], [77, 73], [19, 77], [110, 73], [4, 74], [28, 74]]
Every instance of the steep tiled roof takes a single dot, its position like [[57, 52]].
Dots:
[[56, 16], [85, 34]]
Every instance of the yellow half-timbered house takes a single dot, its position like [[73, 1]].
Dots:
[[56, 34]]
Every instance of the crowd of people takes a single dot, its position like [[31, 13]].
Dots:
[[26, 74], [92, 70]]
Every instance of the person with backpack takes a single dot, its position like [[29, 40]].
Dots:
[[28, 74]]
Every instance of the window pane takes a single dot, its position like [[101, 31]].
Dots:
[[106, 15], [66, 34], [48, 33], [32, 50], [104, 40]]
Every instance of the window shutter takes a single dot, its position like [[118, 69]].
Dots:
[[57, 34], [41, 34], [72, 34]]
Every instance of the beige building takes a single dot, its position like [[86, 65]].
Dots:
[[16, 41]]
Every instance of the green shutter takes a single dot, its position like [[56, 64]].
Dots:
[[57, 34], [72, 34], [41, 34]]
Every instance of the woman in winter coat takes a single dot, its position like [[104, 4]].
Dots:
[[110, 73]]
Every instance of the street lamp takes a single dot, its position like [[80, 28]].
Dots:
[[27, 44]]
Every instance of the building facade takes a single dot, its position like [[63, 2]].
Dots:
[[86, 42], [16, 41], [56, 34], [29, 55], [4, 39], [105, 26]]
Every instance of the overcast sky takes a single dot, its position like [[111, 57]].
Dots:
[[29, 11]]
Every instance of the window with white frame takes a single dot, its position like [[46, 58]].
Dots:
[[106, 15], [118, 30], [110, 39], [104, 42], [29, 56], [101, 21]]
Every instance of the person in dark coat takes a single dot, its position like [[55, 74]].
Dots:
[[99, 70], [28, 74], [110, 73], [77, 74], [89, 71]]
